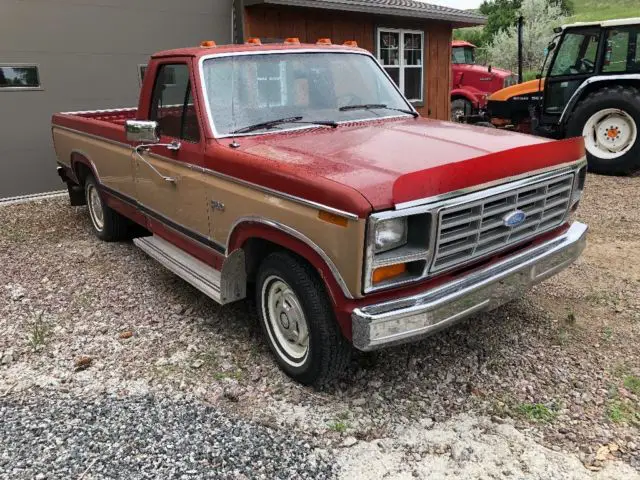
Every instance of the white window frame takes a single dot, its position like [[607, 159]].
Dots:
[[401, 65]]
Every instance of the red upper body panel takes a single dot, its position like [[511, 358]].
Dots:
[[357, 167]]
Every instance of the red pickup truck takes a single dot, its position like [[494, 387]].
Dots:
[[301, 170]]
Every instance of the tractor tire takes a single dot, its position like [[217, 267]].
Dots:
[[609, 121], [460, 108]]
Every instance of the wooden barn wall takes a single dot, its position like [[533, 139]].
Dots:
[[269, 22]]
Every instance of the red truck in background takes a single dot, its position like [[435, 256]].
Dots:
[[472, 83]]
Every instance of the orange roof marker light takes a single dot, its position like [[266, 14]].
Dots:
[[351, 43], [292, 41], [253, 41], [208, 44], [324, 41]]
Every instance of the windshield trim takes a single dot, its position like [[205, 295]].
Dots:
[[207, 106]]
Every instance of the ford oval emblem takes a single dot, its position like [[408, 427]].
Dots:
[[514, 219]]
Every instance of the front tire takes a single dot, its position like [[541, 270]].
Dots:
[[609, 121], [108, 225], [298, 320], [460, 108]]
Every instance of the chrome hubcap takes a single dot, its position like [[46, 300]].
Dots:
[[610, 133], [286, 321], [95, 207]]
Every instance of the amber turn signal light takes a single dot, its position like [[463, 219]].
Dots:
[[208, 44], [351, 43], [385, 273], [324, 41], [292, 41], [333, 218], [253, 41]]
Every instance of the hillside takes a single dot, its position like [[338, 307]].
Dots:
[[589, 10]]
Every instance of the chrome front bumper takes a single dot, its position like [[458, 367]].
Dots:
[[407, 319]]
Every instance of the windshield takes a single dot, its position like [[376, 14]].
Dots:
[[246, 90], [462, 56]]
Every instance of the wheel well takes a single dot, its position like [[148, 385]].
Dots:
[[82, 171], [256, 250], [594, 87]]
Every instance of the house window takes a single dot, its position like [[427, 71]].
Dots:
[[401, 53], [19, 77]]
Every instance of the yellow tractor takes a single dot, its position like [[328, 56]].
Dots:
[[590, 88]]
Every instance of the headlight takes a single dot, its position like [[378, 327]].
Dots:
[[390, 234], [397, 250]]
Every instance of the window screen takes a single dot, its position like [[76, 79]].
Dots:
[[172, 104], [19, 76]]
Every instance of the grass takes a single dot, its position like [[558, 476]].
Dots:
[[593, 10], [536, 412], [338, 426], [619, 411], [39, 332], [632, 383]]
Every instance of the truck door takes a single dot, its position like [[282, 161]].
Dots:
[[574, 62], [171, 192]]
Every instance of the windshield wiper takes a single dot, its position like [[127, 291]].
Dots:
[[280, 121], [373, 106]]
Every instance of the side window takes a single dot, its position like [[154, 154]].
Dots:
[[172, 104], [621, 51], [577, 54], [19, 77]]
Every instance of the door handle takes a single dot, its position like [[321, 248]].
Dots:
[[173, 146]]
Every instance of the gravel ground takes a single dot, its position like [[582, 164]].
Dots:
[[57, 436], [560, 366]]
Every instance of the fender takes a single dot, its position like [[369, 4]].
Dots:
[[465, 93], [246, 228], [80, 157], [599, 79]]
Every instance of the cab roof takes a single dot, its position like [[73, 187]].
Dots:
[[605, 23], [238, 48]]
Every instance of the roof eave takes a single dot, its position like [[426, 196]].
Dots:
[[457, 21]]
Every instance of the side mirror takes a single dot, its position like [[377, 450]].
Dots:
[[141, 131]]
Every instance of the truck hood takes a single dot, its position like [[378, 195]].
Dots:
[[390, 162], [479, 69]]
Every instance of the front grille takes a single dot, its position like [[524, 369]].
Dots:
[[474, 229]]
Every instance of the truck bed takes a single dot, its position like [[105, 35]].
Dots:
[[103, 123]]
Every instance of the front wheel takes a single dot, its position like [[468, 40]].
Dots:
[[298, 320], [609, 120], [460, 108]]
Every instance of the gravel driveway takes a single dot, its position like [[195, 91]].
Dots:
[[556, 373]]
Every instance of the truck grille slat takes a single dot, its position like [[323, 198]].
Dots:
[[473, 229]]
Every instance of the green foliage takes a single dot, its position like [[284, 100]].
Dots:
[[632, 383], [501, 14], [473, 35], [339, 427], [536, 412], [594, 10]]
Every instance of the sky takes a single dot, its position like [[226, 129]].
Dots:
[[462, 4]]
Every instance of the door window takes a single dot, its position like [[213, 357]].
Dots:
[[622, 53], [172, 104], [577, 54]]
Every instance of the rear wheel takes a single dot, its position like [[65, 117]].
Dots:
[[108, 224], [460, 108], [298, 320], [609, 120]]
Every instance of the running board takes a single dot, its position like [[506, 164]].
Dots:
[[202, 276]]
